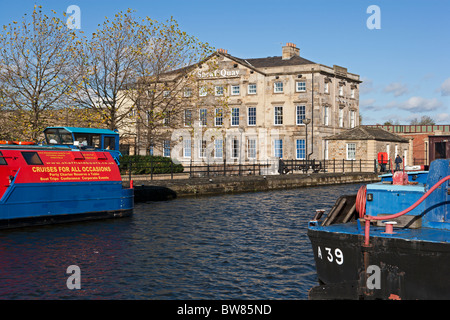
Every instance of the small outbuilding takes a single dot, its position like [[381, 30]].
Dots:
[[364, 143]]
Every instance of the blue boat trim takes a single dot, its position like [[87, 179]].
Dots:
[[357, 228]]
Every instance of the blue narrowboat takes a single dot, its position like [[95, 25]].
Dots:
[[72, 176], [389, 241]]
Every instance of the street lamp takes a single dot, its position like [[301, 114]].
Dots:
[[306, 121]]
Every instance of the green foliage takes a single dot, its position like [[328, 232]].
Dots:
[[149, 164]]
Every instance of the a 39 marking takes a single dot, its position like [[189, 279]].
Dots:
[[331, 255]]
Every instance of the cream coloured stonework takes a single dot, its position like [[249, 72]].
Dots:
[[234, 71]]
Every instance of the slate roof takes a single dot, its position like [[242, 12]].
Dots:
[[277, 62], [368, 133], [254, 63]]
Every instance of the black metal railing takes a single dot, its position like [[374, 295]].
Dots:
[[158, 170]]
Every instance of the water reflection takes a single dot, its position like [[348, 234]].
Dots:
[[245, 246]]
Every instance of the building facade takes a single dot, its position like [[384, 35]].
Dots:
[[255, 109]]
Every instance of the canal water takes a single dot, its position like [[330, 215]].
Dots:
[[244, 246]]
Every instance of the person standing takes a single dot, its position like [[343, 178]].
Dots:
[[398, 160]]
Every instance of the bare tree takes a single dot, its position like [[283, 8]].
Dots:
[[105, 64], [166, 85], [424, 120], [35, 60]]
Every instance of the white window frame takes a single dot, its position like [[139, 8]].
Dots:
[[186, 116], [278, 117], [298, 149], [235, 117], [166, 148], [202, 148], [251, 148], [351, 151], [352, 118], [341, 91], [352, 93], [235, 90], [218, 148], [300, 114], [251, 115], [202, 92], [326, 115], [326, 88], [341, 117], [278, 87], [251, 88], [187, 92], [218, 90], [278, 148], [187, 148], [300, 86], [203, 117], [218, 117], [166, 119], [235, 148]]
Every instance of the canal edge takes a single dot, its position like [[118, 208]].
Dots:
[[151, 190]]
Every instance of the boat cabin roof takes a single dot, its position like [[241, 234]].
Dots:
[[84, 130]]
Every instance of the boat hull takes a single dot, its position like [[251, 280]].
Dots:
[[64, 218], [39, 204], [389, 268]]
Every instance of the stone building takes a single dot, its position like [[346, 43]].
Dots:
[[365, 142], [274, 107]]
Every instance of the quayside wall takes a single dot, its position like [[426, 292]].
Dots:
[[151, 190]]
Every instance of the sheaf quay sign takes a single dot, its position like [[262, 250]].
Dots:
[[218, 73]]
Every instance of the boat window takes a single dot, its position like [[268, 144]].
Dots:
[[88, 139], [52, 136], [32, 158], [66, 137], [110, 143], [96, 141], [2, 160], [58, 136]]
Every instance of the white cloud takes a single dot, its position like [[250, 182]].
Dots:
[[442, 118], [445, 88], [367, 103], [396, 88], [417, 104], [366, 86]]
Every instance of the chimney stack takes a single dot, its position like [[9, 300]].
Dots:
[[290, 50], [222, 51]]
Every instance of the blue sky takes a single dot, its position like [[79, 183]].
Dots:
[[405, 65]]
